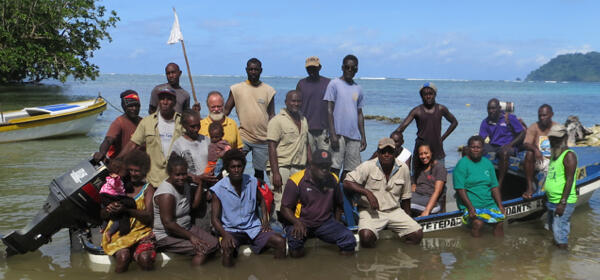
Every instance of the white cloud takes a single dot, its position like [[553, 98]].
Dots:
[[504, 52], [586, 48], [446, 52], [136, 53]]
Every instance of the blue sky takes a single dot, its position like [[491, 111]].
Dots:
[[472, 40]]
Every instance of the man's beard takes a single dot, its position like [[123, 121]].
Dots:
[[216, 116]]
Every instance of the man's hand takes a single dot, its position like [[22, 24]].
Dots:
[[98, 156], [196, 107], [560, 209], [363, 144], [372, 200], [265, 227], [299, 230], [204, 177], [277, 182], [335, 142], [538, 155]]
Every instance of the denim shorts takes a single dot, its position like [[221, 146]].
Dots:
[[560, 225]]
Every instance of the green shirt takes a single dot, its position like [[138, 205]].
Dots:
[[556, 180], [477, 179]]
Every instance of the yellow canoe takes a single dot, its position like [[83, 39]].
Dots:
[[50, 121]]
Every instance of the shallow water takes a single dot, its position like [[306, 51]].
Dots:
[[526, 252]]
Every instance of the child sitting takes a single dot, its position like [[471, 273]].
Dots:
[[113, 191], [216, 148]]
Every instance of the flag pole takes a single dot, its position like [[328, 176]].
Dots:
[[188, 69]]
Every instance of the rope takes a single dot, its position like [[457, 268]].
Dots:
[[114, 107]]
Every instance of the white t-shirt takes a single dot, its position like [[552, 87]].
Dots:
[[404, 155], [195, 153], [166, 128]]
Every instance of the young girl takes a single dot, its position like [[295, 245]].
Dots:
[[216, 148], [114, 191]]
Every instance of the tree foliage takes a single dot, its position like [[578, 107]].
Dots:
[[41, 39], [575, 67]]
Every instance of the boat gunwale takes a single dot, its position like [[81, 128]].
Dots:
[[96, 107]]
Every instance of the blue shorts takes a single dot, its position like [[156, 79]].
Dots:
[[331, 231], [560, 225]]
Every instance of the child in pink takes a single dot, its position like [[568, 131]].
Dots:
[[114, 191], [216, 148]]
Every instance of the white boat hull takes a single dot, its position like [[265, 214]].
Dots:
[[72, 127]]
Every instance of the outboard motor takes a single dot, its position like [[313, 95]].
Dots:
[[73, 202]]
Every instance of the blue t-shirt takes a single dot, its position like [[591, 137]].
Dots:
[[348, 99], [238, 213], [500, 133]]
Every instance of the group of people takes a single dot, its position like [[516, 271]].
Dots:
[[179, 178]]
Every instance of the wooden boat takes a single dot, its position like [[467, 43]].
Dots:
[[50, 121]]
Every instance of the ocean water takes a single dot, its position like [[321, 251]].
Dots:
[[526, 252]]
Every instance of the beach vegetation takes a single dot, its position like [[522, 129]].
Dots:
[[51, 39], [576, 67]]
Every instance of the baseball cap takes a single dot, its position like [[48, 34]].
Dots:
[[313, 61], [557, 130], [428, 85], [386, 142], [321, 157], [167, 90]]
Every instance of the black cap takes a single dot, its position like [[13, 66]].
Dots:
[[321, 157]]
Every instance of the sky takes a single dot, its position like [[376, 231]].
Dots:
[[471, 40]]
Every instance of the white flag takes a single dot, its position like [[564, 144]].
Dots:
[[176, 35]]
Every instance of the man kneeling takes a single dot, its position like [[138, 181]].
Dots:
[[382, 182], [234, 212], [308, 203]]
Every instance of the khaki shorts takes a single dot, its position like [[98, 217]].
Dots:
[[318, 139], [395, 220], [348, 154], [285, 172]]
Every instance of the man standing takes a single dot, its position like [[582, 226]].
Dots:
[[235, 212], [157, 132], [310, 199], [429, 123], [120, 130], [231, 134], [183, 97], [346, 121], [314, 108], [254, 104], [505, 132], [538, 147], [287, 136], [560, 185], [384, 186]]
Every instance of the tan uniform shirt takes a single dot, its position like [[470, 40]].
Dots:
[[251, 108], [231, 134], [292, 142], [147, 134], [388, 193]]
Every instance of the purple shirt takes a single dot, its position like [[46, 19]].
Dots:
[[314, 107], [500, 133], [311, 204]]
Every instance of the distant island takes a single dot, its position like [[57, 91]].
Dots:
[[575, 67]]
